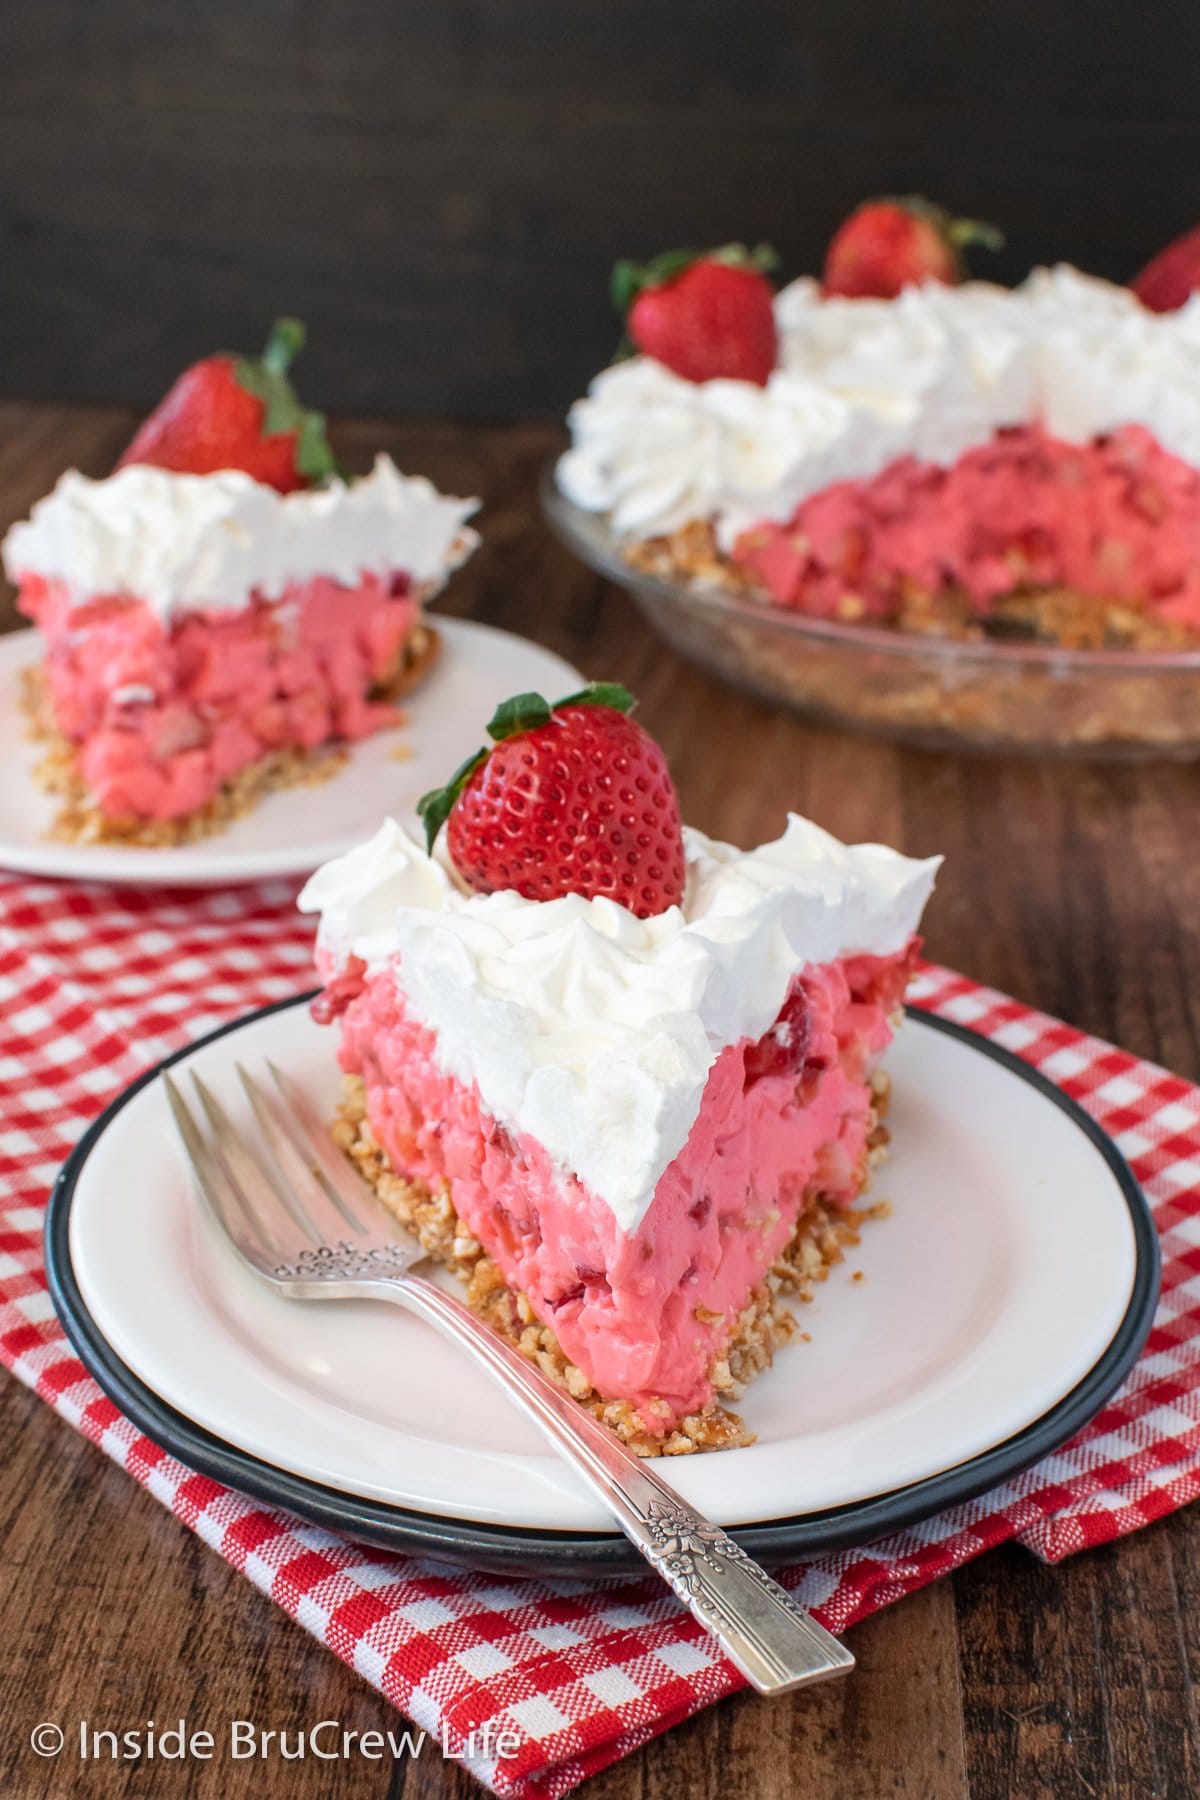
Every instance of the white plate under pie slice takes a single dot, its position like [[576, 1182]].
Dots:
[[294, 830], [976, 1327]]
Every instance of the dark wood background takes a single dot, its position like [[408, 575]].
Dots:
[[440, 186]]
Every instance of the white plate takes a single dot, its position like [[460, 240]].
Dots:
[[292, 831], [999, 1281]]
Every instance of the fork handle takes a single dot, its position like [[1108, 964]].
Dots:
[[773, 1641]]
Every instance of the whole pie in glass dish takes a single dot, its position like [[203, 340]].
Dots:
[[962, 513]]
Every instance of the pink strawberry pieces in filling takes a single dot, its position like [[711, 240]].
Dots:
[[644, 1314], [164, 713], [1118, 518]]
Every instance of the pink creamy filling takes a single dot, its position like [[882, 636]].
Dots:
[[776, 1118], [1118, 518], [164, 713]]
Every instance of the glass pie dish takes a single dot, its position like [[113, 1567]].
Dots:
[[940, 693]]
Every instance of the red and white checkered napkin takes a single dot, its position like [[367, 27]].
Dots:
[[96, 984]]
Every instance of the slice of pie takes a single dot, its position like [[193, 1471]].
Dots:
[[225, 609], [624, 1079]]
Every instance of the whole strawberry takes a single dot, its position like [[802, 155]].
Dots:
[[239, 412], [708, 315], [888, 245], [573, 798], [1172, 276]]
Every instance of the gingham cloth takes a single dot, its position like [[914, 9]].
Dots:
[[97, 984]]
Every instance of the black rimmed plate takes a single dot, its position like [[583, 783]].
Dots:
[[993, 1315]]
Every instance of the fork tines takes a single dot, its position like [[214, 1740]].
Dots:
[[283, 1189]]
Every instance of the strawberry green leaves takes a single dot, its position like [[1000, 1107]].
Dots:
[[284, 344], [266, 377], [524, 712], [601, 693], [960, 233], [434, 808]]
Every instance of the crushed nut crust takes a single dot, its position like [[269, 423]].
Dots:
[[80, 820], [1063, 616], [952, 691], [824, 1233]]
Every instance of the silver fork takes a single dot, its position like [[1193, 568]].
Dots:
[[308, 1225]]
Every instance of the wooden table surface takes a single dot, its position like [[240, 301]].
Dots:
[[1074, 888]]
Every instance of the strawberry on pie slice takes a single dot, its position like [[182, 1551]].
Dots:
[[624, 1079], [226, 608]]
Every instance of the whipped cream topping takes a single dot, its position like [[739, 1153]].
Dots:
[[860, 383], [181, 542], [590, 1029]]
